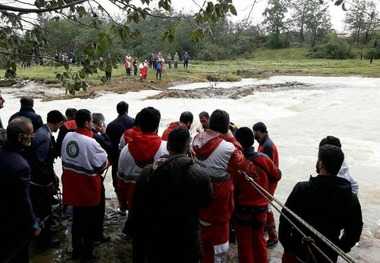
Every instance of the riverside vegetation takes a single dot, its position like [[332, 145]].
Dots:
[[261, 64]]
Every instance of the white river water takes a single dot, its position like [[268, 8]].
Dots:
[[297, 119]]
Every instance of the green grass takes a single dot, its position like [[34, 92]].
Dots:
[[290, 61]]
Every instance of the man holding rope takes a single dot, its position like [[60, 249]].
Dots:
[[328, 205]]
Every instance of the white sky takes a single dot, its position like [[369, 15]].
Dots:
[[243, 7]]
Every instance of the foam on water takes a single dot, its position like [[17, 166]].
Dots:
[[346, 107]]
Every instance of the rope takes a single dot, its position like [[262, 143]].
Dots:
[[179, 94], [269, 198]]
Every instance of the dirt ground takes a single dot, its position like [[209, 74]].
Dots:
[[118, 250]]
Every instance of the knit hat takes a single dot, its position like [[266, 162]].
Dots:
[[259, 126]]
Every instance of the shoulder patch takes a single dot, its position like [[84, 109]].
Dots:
[[72, 149]]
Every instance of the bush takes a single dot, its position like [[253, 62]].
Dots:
[[212, 52], [275, 41], [332, 47]]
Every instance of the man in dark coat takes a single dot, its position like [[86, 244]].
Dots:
[[115, 130], [44, 181], [327, 204], [18, 222], [167, 198], [27, 111]]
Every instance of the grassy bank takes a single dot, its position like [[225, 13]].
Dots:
[[264, 63]]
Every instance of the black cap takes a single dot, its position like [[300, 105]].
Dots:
[[259, 126]]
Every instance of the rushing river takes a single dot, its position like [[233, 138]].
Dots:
[[297, 119]]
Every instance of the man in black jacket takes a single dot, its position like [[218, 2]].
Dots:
[[18, 222], [327, 204], [27, 111], [115, 130], [44, 181], [167, 199]]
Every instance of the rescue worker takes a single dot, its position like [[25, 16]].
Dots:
[[185, 120], [251, 207], [219, 154], [83, 160], [267, 146]]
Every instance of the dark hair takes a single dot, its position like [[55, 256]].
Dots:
[[179, 139], [330, 140], [81, 117], [204, 114], [260, 126], [54, 116], [219, 121], [98, 118], [186, 116], [149, 119], [15, 127], [70, 113], [332, 158], [137, 119], [27, 102], [122, 107], [244, 136]]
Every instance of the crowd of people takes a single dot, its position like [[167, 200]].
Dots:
[[184, 197]]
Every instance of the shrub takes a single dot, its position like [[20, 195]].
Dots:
[[332, 47]]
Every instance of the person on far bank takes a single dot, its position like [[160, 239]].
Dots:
[[167, 199], [18, 222], [159, 66], [186, 59], [267, 146], [327, 204], [176, 60], [169, 58]]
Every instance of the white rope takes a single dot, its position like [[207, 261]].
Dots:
[[269, 198]]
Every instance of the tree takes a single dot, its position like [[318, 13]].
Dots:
[[311, 16], [274, 22], [362, 17], [17, 24], [318, 21]]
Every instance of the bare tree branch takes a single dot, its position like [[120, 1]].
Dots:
[[42, 10]]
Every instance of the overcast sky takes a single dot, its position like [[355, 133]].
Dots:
[[243, 7]]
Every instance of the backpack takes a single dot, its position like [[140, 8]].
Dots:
[[158, 66]]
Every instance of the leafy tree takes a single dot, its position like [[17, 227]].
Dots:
[[274, 22], [318, 22], [332, 47], [311, 16], [362, 17], [16, 25]]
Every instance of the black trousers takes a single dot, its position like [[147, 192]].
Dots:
[[87, 226], [41, 201]]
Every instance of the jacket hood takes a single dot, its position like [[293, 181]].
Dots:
[[143, 146], [207, 138]]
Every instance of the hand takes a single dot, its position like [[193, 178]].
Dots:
[[102, 127], [37, 232], [53, 190]]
